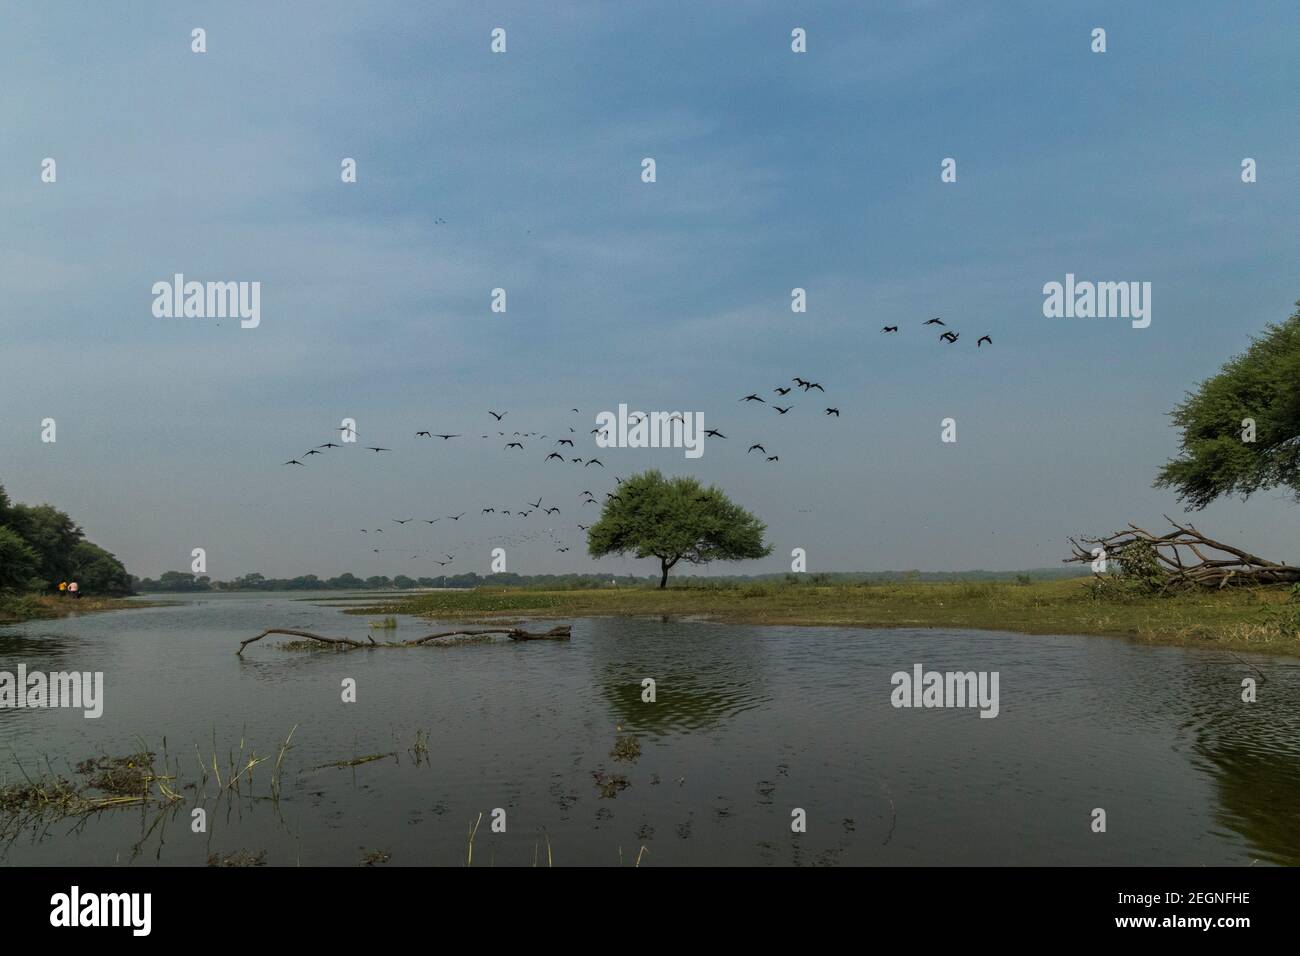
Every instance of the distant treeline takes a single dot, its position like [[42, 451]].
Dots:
[[41, 546], [184, 581]]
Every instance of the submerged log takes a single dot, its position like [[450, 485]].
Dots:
[[558, 633]]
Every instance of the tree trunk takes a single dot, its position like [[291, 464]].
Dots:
[[667, 564]]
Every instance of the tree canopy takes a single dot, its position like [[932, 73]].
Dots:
[[41, 546], [1241, 428], [675, 519]]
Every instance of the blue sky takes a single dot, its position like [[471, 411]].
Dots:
[[775, 170]]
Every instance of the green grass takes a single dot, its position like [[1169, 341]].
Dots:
[[26, 607], [1260, 619]]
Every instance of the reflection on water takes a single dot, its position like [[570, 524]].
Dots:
[[705, 681], [748, 724]]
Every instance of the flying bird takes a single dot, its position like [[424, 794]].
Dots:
[[555, 454], [773, 457], [594, 461], [783, 410], [781, 391], [423, 435], [514, 444], [759, 447], [376, 450], [403, 520], [890, 328], [982, 339], [329, 444], [833, 411], [496, 416], [445, 437], [950, 337], [294, 461], [714, 433], [752, 398], [935, 321]]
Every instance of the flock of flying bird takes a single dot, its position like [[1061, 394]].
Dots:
[[556, 452], [948, 336]]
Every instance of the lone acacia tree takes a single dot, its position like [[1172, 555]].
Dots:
[[675, 519], [1241, 428]]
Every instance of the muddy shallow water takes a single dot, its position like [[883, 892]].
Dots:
[[749, 725]]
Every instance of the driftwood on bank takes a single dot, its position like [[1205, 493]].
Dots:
[[1185, 558], [560, 633]]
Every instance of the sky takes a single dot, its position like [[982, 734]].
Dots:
[[522, 170]]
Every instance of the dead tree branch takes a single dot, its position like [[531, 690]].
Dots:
[[559, 633], [1184, 558]]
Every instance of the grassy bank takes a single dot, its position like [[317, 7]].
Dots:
[[28, 607], [1262, 620]]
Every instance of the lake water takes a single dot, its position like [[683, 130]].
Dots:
[[749, 724]]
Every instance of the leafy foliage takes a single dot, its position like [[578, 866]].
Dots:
[[1262, 384], [675, 519], [17, 561], [41, 546]]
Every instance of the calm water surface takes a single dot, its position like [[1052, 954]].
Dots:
[[750, 723]]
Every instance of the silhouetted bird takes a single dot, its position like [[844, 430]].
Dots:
[[982, 339], [759, 447], [890, 328], [496, 416], [833, 411], [935, 321], [783, 410], [752, 398], [294, 461], [714, 433]]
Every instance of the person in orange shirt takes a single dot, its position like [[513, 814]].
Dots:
[[63, 586]]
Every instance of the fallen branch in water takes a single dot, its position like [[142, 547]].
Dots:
[[560, 633]]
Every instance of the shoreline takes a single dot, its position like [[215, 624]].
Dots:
[[1259, 620], [20, 608]]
